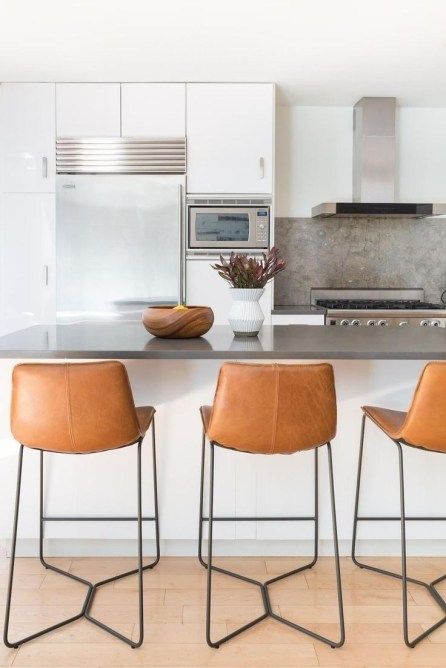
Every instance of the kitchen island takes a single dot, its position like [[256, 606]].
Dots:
[[372, 365], [129, 340]]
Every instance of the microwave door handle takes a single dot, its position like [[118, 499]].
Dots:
[[261, 167]]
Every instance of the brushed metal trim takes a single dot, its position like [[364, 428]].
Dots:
[[368, 210], [324, 210], [438, 209], [89, 169], [374, 149], [120, 140], [121, 155]]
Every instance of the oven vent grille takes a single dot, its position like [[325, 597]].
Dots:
[[225, 201], [121, 155]]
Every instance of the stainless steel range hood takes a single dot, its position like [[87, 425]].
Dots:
[[374, 168]]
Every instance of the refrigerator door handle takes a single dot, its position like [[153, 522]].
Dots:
[[180, 246]]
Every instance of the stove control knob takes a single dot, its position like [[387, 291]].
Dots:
[[403, 323], [424, 323], [435, 323], [345, 322], [355, 323], [371, 323], [382, 323]]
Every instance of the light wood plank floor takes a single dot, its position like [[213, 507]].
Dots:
[[175, 610]]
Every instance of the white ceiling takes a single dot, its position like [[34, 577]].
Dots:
[[319, 52]]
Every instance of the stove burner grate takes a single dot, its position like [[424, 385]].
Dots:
[[378, 304]]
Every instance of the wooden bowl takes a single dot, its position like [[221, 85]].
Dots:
[[170, 323]]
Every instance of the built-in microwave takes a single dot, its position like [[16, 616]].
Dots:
[[229, 224]]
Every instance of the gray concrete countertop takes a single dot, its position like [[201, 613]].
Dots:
[[301, 309], [129, 340]]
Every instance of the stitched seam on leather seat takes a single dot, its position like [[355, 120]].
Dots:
[[135, 415], [276, 409], [69, 414], [216, 393]]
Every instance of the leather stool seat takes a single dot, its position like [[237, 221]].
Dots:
[[272, 408], [76, 408], [424, 424], [206, 412], [391, 422], [144, 415]]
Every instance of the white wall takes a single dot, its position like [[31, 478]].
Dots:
[[314, 156]]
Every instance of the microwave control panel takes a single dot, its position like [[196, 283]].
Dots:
[[262, 226]]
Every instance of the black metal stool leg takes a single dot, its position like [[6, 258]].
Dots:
[[302, 629], [155, 500], [92, 587], [139, 570], [336, 550], [264, 585], [201, 519], [402, 518], [6, 640], [358, 486], [210, 569], [403, 547]]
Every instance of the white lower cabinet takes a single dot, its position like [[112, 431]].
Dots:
[[204, 287], [27, 259]]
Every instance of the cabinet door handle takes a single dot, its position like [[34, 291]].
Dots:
[[45, 167], [45, 274], [261, 167]]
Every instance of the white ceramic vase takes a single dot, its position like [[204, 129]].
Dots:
[[246, 316]]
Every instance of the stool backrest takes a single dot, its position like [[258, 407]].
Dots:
[[425, 424], [274, 408], [74, 408]]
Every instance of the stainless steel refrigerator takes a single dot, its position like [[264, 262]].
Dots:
[[118, 243]]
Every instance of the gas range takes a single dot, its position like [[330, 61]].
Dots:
[[378, 307]]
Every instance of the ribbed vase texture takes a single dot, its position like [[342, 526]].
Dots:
[[246, 316]]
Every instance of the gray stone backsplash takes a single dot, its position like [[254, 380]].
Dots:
[[360, 252]]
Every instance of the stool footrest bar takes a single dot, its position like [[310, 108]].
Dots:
[[373, 518], [97, 519], [260, 519]]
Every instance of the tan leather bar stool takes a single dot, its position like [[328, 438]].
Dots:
[[424, 427], [79, 409], [270, 409]]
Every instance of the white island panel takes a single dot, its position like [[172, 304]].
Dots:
[[106, 483]]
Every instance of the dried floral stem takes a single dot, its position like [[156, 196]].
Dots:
[[241, 271]]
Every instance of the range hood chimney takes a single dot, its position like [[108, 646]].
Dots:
[[374, 167]]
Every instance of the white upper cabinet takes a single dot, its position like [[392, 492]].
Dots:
[[27, 260], [88, 109], [27, 137], [153, 110], [230, 136]]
